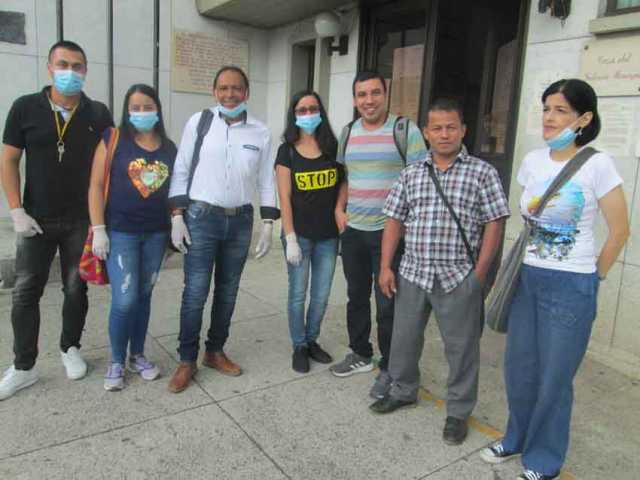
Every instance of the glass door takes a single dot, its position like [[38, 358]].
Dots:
[[396, 49]]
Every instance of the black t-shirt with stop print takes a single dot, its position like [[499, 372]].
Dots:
[[314, 191]]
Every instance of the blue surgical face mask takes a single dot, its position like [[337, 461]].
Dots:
[[233, 112], [563, 139], [143, 121], [308, 123], [68, 82]]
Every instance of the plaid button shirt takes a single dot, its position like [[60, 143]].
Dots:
[[433, 245]]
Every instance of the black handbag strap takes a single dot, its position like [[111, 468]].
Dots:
[[568, 171], [444, 198]]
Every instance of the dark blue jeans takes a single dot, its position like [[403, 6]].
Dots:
[[133, 264], [33, 261], [549, 328], [216, 240], [319, 263], [361, 264]]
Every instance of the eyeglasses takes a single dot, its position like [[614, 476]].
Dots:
[[307, 110]]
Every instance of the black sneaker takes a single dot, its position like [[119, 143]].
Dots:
[[455, 431], [531, 475], [300, 360], [318, 354], [496, 454], [388, 404]]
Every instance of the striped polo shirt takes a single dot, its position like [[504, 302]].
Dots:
[[373, 163]]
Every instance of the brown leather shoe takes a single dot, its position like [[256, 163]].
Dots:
[[221, 362], [182, 376]]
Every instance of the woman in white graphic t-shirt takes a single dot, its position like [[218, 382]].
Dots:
[[554, 305]]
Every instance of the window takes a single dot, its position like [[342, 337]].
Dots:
[[616, 7]]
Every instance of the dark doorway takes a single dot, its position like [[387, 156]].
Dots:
[[303, 59], [470, 50], [476, 51]]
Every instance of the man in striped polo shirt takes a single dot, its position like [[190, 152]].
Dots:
[[373, 158]]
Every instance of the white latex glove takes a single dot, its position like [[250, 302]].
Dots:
[[264, 244], [23, 224], [100, 245], [179, 233], [293, 252]]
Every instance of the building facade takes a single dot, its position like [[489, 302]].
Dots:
[[495, 56]]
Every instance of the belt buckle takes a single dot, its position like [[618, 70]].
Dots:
[[231, 212]]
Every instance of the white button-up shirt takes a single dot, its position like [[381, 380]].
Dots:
[[235, 161]]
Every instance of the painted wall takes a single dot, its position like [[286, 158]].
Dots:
[[85, 22], [340, 74], [553, 51]]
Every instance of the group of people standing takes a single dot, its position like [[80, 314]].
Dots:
[[418, 226]]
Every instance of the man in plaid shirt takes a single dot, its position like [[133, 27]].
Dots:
[[437, 272]]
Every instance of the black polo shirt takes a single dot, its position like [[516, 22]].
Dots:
[[52, 188]]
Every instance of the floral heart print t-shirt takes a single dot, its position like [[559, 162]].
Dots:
[[562, 235]]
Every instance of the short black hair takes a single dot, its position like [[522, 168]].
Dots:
[[446, 104], [126, 127], [368, 75], [324, 135], [232, 68], [67, 45], [582, 98]]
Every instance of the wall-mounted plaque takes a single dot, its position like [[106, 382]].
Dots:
[[612, 65], [12, 27], [196, 57]]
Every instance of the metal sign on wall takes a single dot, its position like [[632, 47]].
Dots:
[[196, 57], [612, 66]]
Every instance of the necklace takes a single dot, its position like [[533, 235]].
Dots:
[[61, 130]]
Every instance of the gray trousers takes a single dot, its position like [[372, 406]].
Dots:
[[459, 319]]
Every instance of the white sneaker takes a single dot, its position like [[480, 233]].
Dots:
[[73, 363], [14, 380]]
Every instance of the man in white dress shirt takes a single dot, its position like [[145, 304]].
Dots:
[[223, 159]]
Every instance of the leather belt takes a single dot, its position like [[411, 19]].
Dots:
[[226, 211]]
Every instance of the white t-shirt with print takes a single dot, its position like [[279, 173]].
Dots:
[[562, 237]]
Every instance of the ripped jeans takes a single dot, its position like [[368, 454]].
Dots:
[[133, 264]]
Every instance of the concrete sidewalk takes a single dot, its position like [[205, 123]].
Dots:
[[272, 423]]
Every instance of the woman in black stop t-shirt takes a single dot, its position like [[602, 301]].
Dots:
[[308, 180]]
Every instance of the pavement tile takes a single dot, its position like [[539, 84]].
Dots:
[[331, 434], [95, 333], [57, 410], [604, 435], [473, 468], [199, 443], [263, 350], [165, 315]]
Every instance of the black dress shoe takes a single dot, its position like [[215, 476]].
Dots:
[[389, 404], [300, 360], [455, 431], [318, 354]]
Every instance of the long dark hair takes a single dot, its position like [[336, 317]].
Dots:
[[324, 135], [127, 129], [582, 98]]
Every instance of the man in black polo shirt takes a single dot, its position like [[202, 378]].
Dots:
[[58, 128]]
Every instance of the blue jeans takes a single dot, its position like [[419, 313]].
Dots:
[[319, 260], [133, 264], [223, 241], [549, 328]]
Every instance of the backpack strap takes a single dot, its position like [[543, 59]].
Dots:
[[401, 137], [203, 128], [114, 136], [470, 253], [344, 139]]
